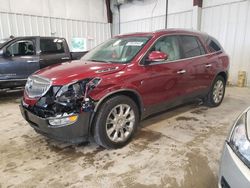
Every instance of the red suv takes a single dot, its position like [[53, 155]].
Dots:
[[106, 93]]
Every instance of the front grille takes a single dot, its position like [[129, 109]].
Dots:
[[37, 86]]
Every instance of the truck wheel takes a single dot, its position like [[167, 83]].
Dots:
[[216, 93], [116, 122]]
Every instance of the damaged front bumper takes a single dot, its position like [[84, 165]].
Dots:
[[75, 132]]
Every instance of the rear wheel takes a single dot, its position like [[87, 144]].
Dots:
[[216, 93], [116, 122]]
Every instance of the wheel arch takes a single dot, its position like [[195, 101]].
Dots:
[[221, 73], [224, 75], [132, 94]]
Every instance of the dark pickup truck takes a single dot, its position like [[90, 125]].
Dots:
[[22, 56]]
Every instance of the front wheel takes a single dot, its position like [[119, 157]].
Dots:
[[116, 122], [216, 93]]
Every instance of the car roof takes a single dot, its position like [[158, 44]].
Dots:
[[26, 37], [165, 31]]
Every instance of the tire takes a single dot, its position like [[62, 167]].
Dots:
[[113, 127], [216, 93]]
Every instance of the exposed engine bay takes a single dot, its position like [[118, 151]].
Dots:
[[65, 100]]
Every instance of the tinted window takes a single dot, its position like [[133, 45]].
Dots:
[[169, 45], [213, 47], [191, 46], [51, 46], [201, 47], [21, 48]]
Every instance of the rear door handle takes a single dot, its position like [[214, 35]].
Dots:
[[64, 58], [181, 71], [208, 65]]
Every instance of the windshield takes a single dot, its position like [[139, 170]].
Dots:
[[4, 41], [117, 50]]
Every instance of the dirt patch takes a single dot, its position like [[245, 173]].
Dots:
[[198, 173], [138, 185], [199, 111], [12, 96], [71, 153], [108, 165], [90, 158], [167, 152], [143, 139], [149, 136], [183, 118]]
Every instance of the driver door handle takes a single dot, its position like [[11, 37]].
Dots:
[[181, 71]]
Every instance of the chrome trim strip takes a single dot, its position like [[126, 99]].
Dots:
[[209, 53], [13, 80], [107, 70], [41, 77], [174, 61]]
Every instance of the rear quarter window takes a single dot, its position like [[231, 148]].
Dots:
[[213, 47]]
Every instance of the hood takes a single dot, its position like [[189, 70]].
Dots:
[[68, 72]]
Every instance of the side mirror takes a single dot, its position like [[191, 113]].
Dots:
[[1, 53], [6, 53], [156, 56]]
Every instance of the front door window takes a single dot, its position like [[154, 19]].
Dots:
[[170, 46], [21, 48]]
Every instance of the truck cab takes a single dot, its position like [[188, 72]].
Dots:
[[22, 56]]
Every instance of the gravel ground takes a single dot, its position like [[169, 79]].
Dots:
[[178, 148]]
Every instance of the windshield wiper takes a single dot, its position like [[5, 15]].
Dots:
[[95, 60], [106, 61]]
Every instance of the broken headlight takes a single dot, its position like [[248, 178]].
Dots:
[[76, 91], [70, 92], [239, 140]]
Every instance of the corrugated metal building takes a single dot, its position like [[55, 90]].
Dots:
[[63, 18]]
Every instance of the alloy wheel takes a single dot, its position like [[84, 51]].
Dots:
[[120, 123], [218, 91]]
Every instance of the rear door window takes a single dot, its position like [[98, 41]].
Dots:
[[191, 46], [52, 46]]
